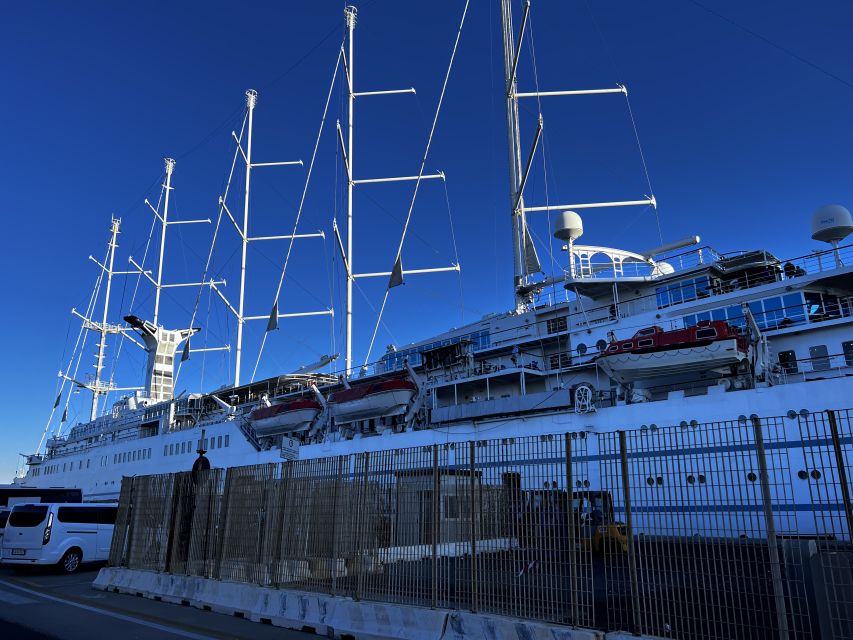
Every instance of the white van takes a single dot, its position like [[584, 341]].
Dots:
[[65, 535]]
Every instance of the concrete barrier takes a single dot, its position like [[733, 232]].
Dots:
[[330, 616], [462, 625]]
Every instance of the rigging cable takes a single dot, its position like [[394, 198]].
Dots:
[[398, 258], [135, 289], [299, 210], [215, 234]]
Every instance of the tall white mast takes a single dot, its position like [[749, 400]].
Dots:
[[170, 166], [350, 13], [251, 101], [514, 147], [347, 151], [525, 260], [245, 239], [103, 329], [94, 383]]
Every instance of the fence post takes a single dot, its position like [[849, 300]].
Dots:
[[842, 472], [773, 549], [362, 524], [629, 530], [436, 528], [472, 461], [222, 527], [335, 526], [124, 558], [570, 522], [173, 520]]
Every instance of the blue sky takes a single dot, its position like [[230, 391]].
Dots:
[[742, 140]]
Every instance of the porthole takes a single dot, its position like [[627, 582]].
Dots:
[[601, 345], [701, 479], [650, 481], [581, 349], [659, 480], [816, 474], [691, 479], [802, 475], [751, 476]]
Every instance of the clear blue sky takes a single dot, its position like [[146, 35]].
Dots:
[[744, 134]]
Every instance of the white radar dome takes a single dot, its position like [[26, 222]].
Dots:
[[568, 226], [831, 223]]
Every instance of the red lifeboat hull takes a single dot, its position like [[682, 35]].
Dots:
[[372, 400], [287, 417]]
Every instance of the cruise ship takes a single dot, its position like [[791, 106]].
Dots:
[[639, 338]]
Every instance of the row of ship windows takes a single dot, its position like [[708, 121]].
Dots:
[[216, 442], [780, 311], [178, 448]]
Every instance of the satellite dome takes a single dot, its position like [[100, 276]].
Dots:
[[831, 223], [569, 226]]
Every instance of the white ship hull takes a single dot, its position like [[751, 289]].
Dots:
[[94, 471]]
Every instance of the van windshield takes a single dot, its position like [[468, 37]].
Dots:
[[27, 515]]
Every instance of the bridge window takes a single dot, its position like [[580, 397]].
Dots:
[[847, 348], [820, 357]]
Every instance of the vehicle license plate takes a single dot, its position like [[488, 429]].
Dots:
[[19, 552]]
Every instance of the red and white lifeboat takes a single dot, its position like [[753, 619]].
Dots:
[[372, 400], [286, 417], [652, 352]]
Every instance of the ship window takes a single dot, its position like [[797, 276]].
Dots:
[[165, 449], [581, 349], [649, 331], [689, 321], [847, 348], [628, 345], [226, 440], [718, 314], [556, 325], [183, 447], [648, 342], [172, 449], [601, 345], [219, 442], [788, 361], [793, 307], [702, 334], [735, 316], [820, 357], [613, 347]]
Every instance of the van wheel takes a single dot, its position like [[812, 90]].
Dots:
[[71, 561]]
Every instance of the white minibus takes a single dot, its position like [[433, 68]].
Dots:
[[65, 535]]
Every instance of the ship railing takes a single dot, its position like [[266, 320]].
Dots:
[[829, 365], [730, 529]]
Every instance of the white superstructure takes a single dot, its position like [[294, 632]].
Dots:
[[539, 368]]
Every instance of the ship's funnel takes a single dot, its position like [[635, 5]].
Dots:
[[162, 345]]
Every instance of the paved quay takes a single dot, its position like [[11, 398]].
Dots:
[[38, 604]]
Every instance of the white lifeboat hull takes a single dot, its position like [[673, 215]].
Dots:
[[628, 367], [376, 405], [285, 422]]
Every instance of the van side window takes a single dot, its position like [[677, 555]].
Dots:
[[78, 515]]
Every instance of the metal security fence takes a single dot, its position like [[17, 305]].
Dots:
[[736, 529]]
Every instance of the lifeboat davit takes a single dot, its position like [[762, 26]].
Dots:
[[372, 400], [286, 417], [711, 345]]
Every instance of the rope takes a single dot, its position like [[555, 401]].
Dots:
[[301, 205], [215, 235], [455, 254], [643, 159], [420, 174]]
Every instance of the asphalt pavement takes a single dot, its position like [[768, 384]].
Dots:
[[42, 604]]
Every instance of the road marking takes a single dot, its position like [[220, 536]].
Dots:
[[13, 598], [110, 614]]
